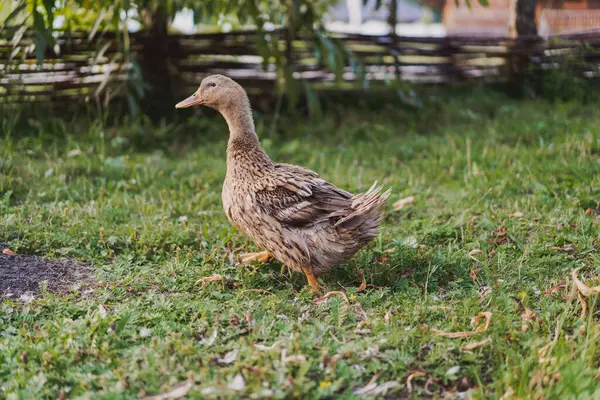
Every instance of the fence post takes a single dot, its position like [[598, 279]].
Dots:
[[449, 49], [523, 29], [393, 22], [155, 63]]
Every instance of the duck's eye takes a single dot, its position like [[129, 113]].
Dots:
[[211, 84]]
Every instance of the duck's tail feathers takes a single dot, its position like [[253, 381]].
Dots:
[[366, 212]]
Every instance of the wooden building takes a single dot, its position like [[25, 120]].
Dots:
[[552, 17]]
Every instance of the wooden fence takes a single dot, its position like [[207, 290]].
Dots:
[[568, 21], [83, 69]]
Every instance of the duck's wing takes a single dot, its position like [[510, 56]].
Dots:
[[297, 196]]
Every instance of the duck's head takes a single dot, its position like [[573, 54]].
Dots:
[[216, 91]]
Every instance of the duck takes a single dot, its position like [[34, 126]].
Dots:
[[289, 211]]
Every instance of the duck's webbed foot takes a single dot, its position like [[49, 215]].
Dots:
[[262, 256], [312, 280]]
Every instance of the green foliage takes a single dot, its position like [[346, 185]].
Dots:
[[297, 17], [563, 84], [289, 18], [142, 203], [565, 80]]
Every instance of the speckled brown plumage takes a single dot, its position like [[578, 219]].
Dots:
[[297, 217]]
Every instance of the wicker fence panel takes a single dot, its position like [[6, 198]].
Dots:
[[79, 67]]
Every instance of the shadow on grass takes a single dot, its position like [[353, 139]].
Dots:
[[398, 269]]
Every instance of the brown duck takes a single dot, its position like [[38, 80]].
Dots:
[[298, 218]]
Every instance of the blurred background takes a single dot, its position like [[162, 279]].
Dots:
[[481, 115], [144, 55]]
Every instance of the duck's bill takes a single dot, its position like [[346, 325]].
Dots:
[[190, 101]]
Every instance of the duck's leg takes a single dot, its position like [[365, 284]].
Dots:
[[262, 256], [312, 279]]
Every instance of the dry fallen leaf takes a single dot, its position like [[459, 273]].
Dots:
[[410, 378], [509, 394], [262, 347], [568, 248], [363, 283], [388, 316], [474, 345], [209, 341], [373, 389], [473, 274], [370, 352], [500, 232], [375, 286], [475, 252], [320, 300], [581, 290], [238, 383], [528, 316], [516, 214], [362, 324], [176, 392], [484, 327], [229, 358], [583, 304], [208, 279], [402, 203], [426, 389], [582, 287], [555, 289], [451, 335], [74, 153], [297, 358], [101, 311], [463, 385], [9, 252], [145, 332], [475, 321]]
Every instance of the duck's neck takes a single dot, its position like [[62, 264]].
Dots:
[[243, 142], [240, 123]]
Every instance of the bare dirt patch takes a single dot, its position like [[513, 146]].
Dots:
[[23, 275]]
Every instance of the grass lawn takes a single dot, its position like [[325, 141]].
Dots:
[[506, 206]]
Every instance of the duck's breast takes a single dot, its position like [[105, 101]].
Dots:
[[239, 206], [228, 198]]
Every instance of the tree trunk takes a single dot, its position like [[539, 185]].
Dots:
[[393, 22], [159, 99], [393, 17], [524, 29], [526, 18], [522, 18]]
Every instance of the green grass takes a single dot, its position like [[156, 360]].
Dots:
[[141, 203]]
